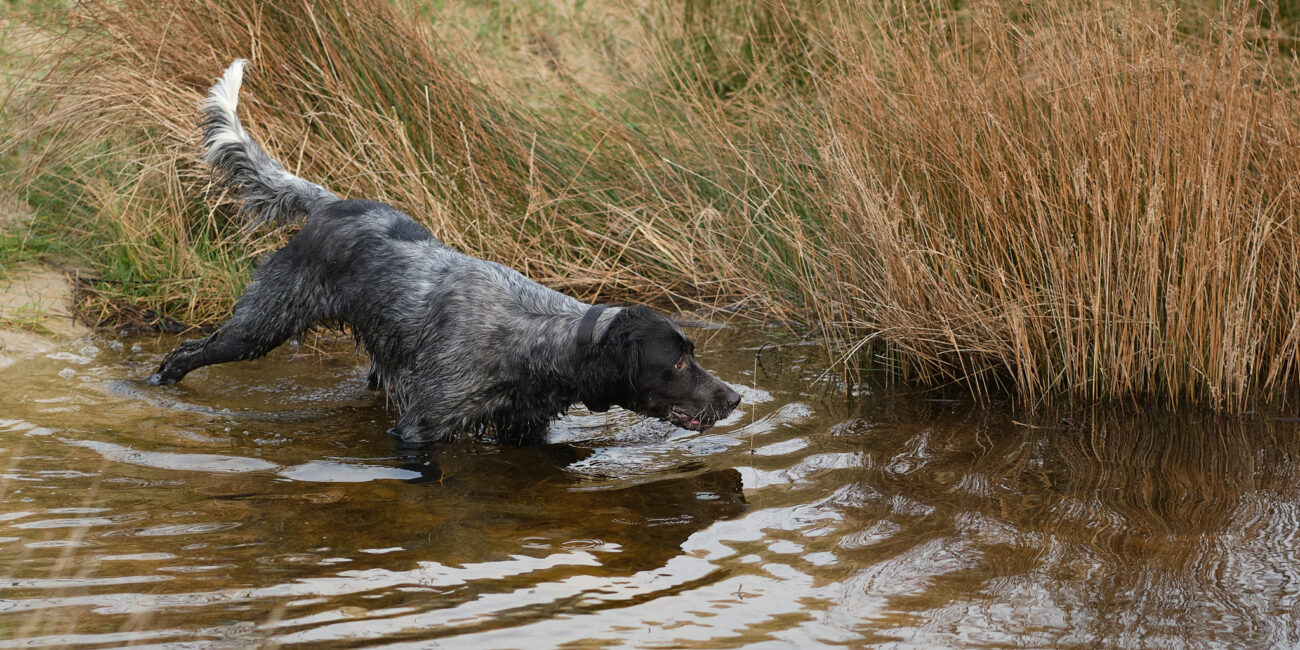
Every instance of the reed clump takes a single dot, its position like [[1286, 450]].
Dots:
[[1091, 200], [1096, 202]]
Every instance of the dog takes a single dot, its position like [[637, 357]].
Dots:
[[462, 346]]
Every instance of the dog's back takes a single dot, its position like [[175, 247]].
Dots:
[[425, 312]]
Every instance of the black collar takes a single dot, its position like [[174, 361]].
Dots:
[[587, 328]]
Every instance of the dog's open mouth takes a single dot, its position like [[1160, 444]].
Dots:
[[685, 419]]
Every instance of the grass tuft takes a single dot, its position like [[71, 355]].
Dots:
[[1094, 200]]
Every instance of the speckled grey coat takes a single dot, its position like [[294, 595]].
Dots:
[[461, 345]]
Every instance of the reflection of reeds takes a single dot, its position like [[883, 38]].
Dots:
[[1173, 478], [1094, 201], [1183, 513], [1124, 482], [1119, 524]]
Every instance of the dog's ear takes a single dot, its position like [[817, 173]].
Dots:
[[604, 324], [608, 375], [624, 343]]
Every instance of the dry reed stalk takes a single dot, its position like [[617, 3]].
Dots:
[[1083, 202], [1047, 198], [367, 102]]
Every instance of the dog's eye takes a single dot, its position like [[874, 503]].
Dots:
[[681, 363]]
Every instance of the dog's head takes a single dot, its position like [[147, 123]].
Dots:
[[649, 367]]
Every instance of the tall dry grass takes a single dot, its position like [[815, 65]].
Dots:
[[368, 101], [1096, 202], [1087, 199]]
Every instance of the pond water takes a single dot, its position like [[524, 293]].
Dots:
[[261, 504]]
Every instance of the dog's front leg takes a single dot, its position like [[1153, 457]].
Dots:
[[226, 344], [237, 340], [274, 309], [179, 362], [417, 427]]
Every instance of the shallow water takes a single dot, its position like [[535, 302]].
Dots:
[[261, 503]]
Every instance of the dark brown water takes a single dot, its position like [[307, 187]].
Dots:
[[262, 504]]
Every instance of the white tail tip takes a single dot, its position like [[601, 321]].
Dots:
[[226, 93]]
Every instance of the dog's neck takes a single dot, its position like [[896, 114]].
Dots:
[[593, 325], [587, 326], [549, 362]]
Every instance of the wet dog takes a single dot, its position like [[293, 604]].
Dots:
[[462, 346]]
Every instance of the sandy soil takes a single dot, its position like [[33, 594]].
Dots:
[[35, 300]]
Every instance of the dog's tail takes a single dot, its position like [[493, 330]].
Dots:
[[267, 192]]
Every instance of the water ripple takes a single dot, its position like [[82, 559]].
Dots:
[[199, 515]]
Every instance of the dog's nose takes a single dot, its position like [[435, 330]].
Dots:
[[729, 397]]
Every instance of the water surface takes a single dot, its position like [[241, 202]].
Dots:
[[261, 503]]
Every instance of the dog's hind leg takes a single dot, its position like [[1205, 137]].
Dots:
[[272, 310], [419, 426], [522, 433]]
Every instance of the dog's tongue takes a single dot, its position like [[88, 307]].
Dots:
[[695, 422]]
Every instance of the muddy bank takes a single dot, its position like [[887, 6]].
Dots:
[[36, 299]]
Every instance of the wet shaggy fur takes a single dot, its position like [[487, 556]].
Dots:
[[461, 345]]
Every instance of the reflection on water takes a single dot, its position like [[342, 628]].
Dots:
[[261, 503]]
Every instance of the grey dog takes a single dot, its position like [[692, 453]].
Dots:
[[462, 346]]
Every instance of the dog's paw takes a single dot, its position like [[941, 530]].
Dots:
[[411, 435], [158, 379]]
